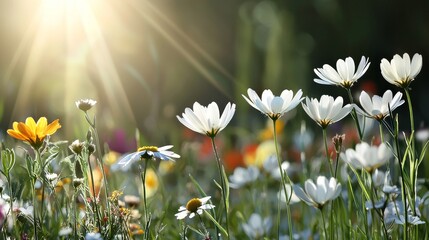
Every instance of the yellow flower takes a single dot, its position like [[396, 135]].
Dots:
[[32, 132]]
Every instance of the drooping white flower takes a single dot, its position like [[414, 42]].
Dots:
[[394, 212], [271, 165], [207, 120], [378, 107], [401, 71], [327, 110], [367, 157], [378, 178], [85, 104], [193, 207], [148, 152], [345, 75], [256, 227], [319, 193], [274, 106], [242, 176]]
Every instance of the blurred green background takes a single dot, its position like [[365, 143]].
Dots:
[[145, 61]]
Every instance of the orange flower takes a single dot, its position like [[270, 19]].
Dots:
[[32, 132]]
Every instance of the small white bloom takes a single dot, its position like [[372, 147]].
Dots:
[[93, 236], [274, 106], [271, 165], [394, 212], [51, 176], [345, 75], [206, 120], [256, 227], [242, 176], [85, 104], [193, 207], [401, 71], [378, 107], [65, 231], [422, 135], [148, 152], [378, 177], [293, 198], [27, 211], [319, 193], [367, 157], [327, 110]]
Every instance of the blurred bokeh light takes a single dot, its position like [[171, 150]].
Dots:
[[144, 61]]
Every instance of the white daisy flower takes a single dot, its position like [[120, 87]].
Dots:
[[319, 193], [207, 120], [193, 207], [256, 227], [401, 71], [345, 75], [147, 152], [367, 157], [327, 110], [243, 176], [85, 104], [274, 106], [378, 107]]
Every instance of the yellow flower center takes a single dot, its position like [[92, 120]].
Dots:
[[193, 205], [148, 148]]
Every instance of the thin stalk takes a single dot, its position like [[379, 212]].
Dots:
[[328, 159], [379, 213], [143, 176], [99, 159], [413, 172], [354, 114], [222, 182], [380, 128], [410, 108], [323, 222], [404, 196], [94, 199], [33, 182], [34, 208], [283, 179]]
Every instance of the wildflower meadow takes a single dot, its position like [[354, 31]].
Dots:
[[349, 168]]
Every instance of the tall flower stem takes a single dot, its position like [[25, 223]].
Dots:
[[222, 182], [354, 114], [94, 198], [413, 167], [35, 215], [100, 157], [324, 225], [143, 176], [283, 179], [403, 186], [328, 159]]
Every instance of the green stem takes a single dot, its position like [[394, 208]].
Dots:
[[323, 222], [413, 169], [380, 128], [328, 159], [401, 170], [410, 108], [144, 191], [283, 183], [35, 216], [94, 198], [354, 114], [222, 182]]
